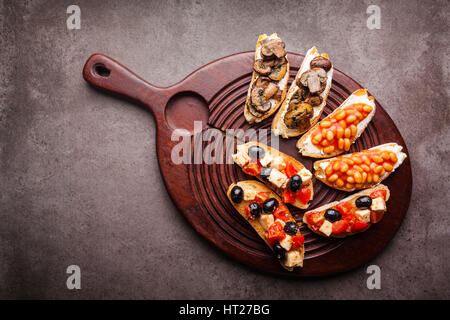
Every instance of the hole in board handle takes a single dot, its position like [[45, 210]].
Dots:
[[102, 71]]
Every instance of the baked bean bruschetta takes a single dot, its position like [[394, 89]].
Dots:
[[306, 97], [360, 170], [349, 216], [335, 133], [271, 219], [284, 174], [269, 79]]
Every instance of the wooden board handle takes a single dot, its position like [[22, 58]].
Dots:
[[105, 73]]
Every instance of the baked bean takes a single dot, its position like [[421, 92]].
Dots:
[[385, 155], [350, 172], [330, 135], [364, 177], [354, 130], [373, 166], [341, 115], [344, 167], [358, 177], [336, 165], [369, 178], [348, 161], [343, 124], [346, 144], [365, 167], [341, 144], [324, 142], [329, 170], [378, 169], [333, 178], [377, 159], [359, 115], [325, 124], [367, 108], [366, 159], [358, 168], [393, 157], [329, 149], [388, 167], [339, 132], [348, 133], [357, 160], [351, 118], [376, 177], [349, 186], [318, 137], [339, 183]]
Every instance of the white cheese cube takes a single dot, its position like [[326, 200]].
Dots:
[[281, 222], [306, 176], [378, 204], [249, 195], [277, 178], [293, 258], [265, 161], [241, 158], [363, 215], [278, 163], [326, 228], [286, 243], [266, 220]]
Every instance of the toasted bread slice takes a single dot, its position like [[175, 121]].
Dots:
[[279, 127], [375, 216], [359, 97], [360, 167], [282, 85], [276, 160], [251, 188]]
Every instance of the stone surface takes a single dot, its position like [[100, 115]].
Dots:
[[79, 180]]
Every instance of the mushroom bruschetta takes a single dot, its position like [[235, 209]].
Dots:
[[360, 170], [306, 97], [269, 79], [287, 176], [349, 216], [271, 219], [336, 132]]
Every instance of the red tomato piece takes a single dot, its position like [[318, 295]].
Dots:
[[288, 196], [290, 169], [253, 168], [297, 241], [344, 207], [282, 213], [339, 226], [378, 194], [376, 216], [275, 233], [261, 197], [247, 211], [359, 225], [315, 219], [304, 194]]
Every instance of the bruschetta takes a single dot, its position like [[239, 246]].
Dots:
[[269, 79], [360, 170], [335, 133], [349, 216], [285, 175], [271, 219], [306, 97]]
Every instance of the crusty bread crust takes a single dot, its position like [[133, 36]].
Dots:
[[365, 192], [279, 191], [303, 141], [248, 116], [320, 175], [240, 207], [278, 126]]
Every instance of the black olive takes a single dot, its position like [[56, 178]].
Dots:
[[279, 251], [265, 173], [255, 209], [237, 194], [291, 228], [256, 152], [332, 215], [270, 205], [295, 183], [364, 202]]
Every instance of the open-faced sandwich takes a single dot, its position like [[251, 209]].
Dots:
[[271, 219], [306, 97], [351, 215], [336, 132], [287, 176], [269, 79], [360, 170]]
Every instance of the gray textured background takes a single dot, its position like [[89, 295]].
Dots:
[[79, 180]]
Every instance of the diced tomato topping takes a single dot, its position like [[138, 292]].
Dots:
[[359, 225], [304, 194], [339, 226], [297, 241], [290, 169], [275, 233], [378, 194], [315, 219], [376, 216], [247, 211], [288, 196], [253, 168], [344, 207], [282, 213], [261, 197]]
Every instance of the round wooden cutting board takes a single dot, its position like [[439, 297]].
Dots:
[[215, 95]]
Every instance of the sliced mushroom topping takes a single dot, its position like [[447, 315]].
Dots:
[[313, 79], [321, 62], [261, 67], [322, 74], [271, 89], [252, 109], [263, 108], [262, 82], [314, 100], [277, 96], [278, 72], [257, 96], [298, 115], [273, 47]]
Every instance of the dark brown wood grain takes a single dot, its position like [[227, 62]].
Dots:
[[215, 94]]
